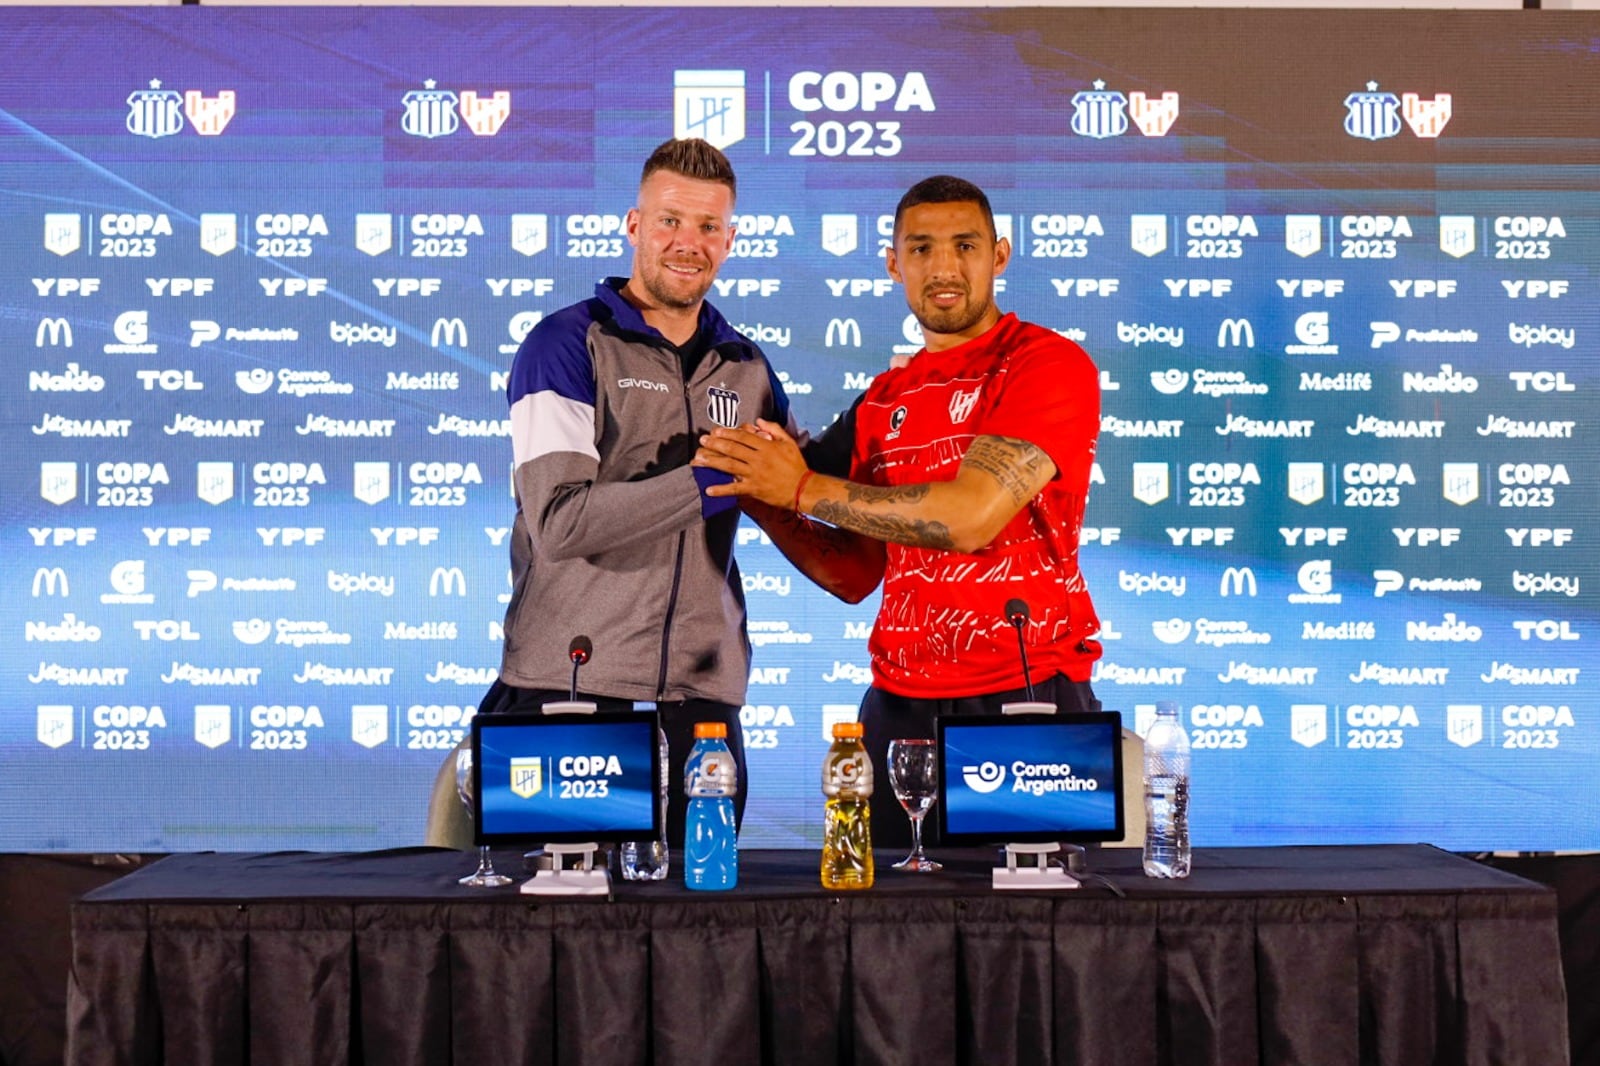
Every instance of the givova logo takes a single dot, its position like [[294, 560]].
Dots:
[[984, 778]]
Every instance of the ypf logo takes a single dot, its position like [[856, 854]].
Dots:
[[984, 778]]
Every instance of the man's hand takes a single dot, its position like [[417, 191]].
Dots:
[[764, 461]]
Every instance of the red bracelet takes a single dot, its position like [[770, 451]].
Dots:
[[802, 484]]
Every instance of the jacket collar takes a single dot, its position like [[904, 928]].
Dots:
[[724, 337]]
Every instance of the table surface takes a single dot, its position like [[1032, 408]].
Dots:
[[429, 874]]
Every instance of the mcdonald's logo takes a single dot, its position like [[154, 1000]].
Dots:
[[451, 331], [59, 330], [447, 581], [843, 332], [1235, 579], [52, 580], [1236, 332]]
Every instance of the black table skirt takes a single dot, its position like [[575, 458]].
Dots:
[[1372, 955]]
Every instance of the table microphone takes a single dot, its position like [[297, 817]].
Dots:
[[578, 651], [1017, 614]]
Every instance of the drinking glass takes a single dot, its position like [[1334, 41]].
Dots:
[[485, 877], [914, 776]]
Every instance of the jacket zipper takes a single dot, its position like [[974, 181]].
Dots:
[[677, 570]]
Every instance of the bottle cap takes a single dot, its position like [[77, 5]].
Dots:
[[846, 729], [709, 729]]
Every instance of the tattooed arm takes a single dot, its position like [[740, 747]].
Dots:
[[996, 479], [843, 563]]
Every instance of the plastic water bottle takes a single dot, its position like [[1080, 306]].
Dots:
[[847, 831], [711, 839], [1166, 795], [646, 860]]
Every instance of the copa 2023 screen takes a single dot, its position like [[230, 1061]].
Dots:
[[265, 272]]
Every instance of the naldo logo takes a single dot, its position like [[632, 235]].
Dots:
[[985, 777]]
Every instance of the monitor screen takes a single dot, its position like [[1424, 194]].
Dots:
[[562, 779], [1030, 778]]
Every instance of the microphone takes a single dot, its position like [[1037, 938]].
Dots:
[[1017, 615], [578, 651]]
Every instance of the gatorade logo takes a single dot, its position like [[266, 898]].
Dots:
[[984, 778]]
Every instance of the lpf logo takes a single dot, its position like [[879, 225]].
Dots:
[[530, 234], [1458, 235], [63, 233], [433, 112], [1148, 234], [1460, 483], [213, 724], [369, 724], [1308, 724], [219, 233], [1464, 724], [838, 234], [156, 112], [1375, 116], [1307, 482], [527, 776], [1302, 234], [708, 104], [54, 728], [1152, 482]]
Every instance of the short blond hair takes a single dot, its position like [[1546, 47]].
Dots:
[[693, 158]]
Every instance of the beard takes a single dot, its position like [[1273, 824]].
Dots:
[[670, 290], [954, 320]]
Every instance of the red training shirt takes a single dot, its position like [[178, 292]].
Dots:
[[941, 630]]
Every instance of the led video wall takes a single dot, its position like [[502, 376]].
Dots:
[[265, 272]]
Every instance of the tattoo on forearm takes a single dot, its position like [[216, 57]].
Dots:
[[914, 532], [1015, 464], [825, 541], [858, 493]]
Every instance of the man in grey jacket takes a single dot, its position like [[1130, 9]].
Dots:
[[615, 538]]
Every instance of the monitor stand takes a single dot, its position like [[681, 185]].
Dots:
[[1028, 865], [583, 879], [1028, 868]]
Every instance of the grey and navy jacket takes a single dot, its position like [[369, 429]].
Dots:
[[609, 540]]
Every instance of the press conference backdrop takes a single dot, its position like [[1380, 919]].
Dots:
[[265, 271]]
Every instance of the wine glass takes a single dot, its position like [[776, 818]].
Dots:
[[914, 775], [485, 877]]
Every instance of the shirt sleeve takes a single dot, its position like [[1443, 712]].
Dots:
[[1050, 397], [569, 514]]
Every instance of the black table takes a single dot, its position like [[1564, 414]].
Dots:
[[1369, 955]]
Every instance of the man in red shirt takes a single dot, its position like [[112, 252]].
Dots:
[[968, 472]]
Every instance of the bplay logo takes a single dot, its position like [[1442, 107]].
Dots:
[[984, 778]]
